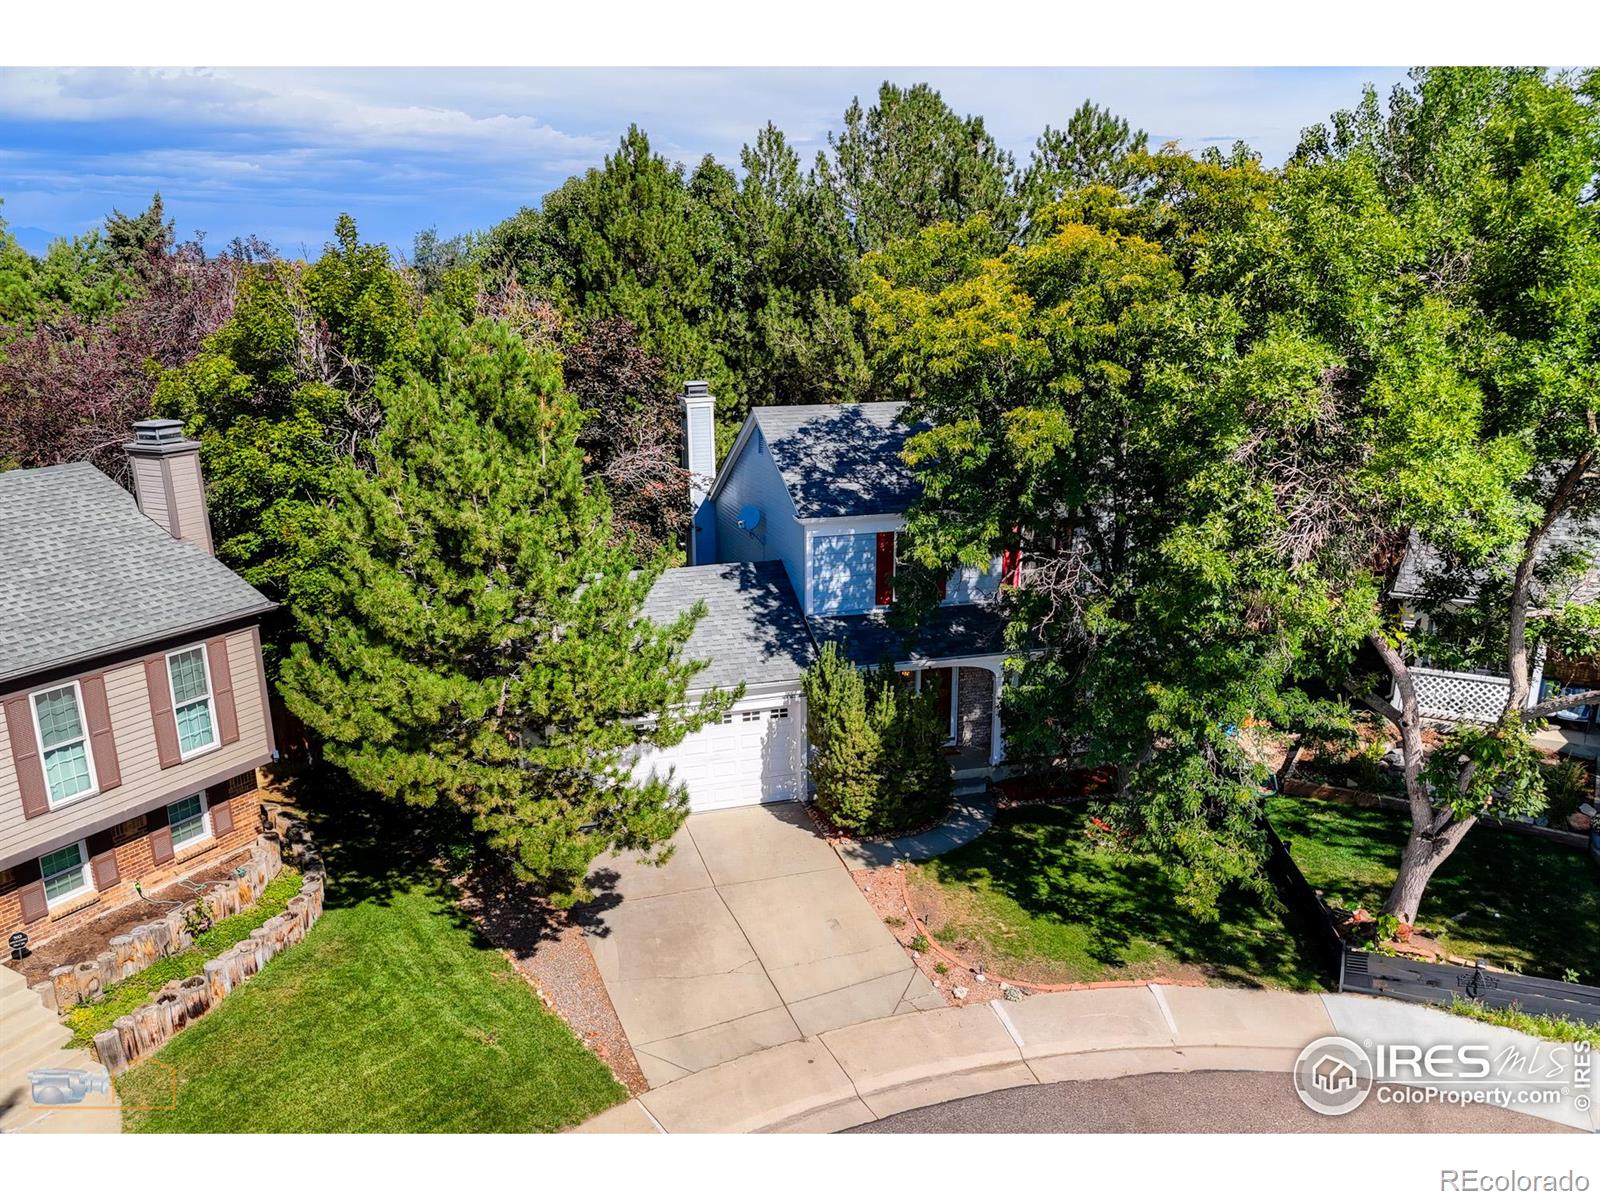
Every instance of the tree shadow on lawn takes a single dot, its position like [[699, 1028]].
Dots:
[[375, 848], [1042, 860], [1504, 896]]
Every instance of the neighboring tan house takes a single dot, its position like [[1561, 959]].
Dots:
[[133, 707], [793, 546]]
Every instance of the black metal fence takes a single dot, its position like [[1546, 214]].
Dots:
[[1371, 974]]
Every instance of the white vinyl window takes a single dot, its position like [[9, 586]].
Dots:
[[189, 820], [190, 676], [66, 873], [64, 743]]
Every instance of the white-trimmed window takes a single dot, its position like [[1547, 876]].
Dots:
[[189, 819], [190, 676], [64, 743], [66, 873]]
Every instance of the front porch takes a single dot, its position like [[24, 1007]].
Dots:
[[970, 692], [959, 651]]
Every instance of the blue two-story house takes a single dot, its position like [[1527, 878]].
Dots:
[[793, 546]]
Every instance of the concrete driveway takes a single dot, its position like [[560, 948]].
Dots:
[[752, 935]]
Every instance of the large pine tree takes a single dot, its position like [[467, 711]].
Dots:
[[482, 646]]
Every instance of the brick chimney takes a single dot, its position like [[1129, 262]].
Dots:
[[700, 457], [167, 480]]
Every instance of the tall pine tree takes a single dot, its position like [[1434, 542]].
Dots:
[[482, 646]]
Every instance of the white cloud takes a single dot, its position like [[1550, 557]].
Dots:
[[281, 151], [318, 108]]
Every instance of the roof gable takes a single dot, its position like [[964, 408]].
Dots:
[[840, 460], [86, 573]]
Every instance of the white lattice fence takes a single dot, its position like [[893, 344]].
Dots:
[[1460, 696]]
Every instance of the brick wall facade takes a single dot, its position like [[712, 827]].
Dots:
[[135, 859]]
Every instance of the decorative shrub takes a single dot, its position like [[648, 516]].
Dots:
[[1567, 784], [878, 761]]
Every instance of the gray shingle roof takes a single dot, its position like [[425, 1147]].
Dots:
[[85, 572], [840, 460], [951, 631], [753, 631], [1422, 559]]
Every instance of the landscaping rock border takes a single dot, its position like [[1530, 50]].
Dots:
[[1022, 985], [140, 1034], [129, 953], [1359, 799]]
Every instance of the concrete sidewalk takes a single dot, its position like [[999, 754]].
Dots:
[[969, 817], [848, 1076]]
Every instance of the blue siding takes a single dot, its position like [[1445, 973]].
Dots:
[[843, 573], [754, 480], [968, 585]]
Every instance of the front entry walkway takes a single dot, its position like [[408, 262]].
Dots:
[[752, 935]]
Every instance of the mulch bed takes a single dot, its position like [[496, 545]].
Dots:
[[87, 941], [834, 834], [885, 891], [548, 949], [1027, 791]]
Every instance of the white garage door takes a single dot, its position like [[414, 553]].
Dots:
[[752, 756]]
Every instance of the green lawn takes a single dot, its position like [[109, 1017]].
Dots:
[[1033, 899], [1511, 900], [392, 1016]]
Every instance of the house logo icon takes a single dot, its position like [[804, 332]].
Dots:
[[1333, 1076]]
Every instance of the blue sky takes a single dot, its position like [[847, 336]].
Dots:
[[280, 152]]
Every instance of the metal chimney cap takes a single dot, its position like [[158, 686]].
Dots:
[[159, 435], [158, 430], [695, 389]]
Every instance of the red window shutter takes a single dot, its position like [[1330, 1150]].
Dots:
[[34, 905], [1011, 568], [102, 743], [221, 816], [885, 588], [104, 867], [944, 585], [160, 689], [25, 757], [222, 690]]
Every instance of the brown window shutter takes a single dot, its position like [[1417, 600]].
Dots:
[[104, 867], [221, 815], [160, 835], [25, 757], [222, 690], [160, 689], [97, 713], [34, 905]]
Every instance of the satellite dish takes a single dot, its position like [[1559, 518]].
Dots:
[[749, 517]]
